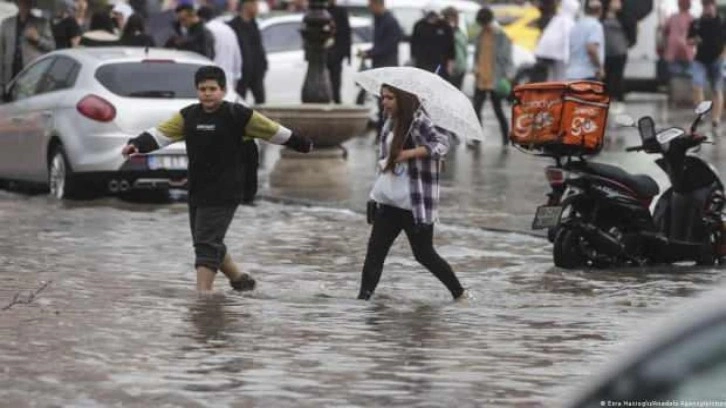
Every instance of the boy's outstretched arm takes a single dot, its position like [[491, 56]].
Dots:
[[261, 127], [157, 137]]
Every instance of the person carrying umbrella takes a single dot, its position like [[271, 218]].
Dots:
[[405, 195]]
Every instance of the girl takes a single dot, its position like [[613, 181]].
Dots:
[[406, 193]]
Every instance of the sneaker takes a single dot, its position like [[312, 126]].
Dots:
[[244, 283]]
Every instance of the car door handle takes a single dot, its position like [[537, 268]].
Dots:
[[47, 114]]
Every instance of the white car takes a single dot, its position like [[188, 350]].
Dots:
[[286, 57], [679, 362], [66, 116]]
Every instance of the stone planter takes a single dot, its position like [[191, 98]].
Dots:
[[325, 169], [328, 125]]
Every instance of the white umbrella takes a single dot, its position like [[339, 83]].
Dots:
[[447, 106]]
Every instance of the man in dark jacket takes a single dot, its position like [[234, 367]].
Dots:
[[254, 58], [197, 39], [432, 45], [386, 36], [341, 46]]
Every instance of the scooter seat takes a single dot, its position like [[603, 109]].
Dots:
[[641, 184]]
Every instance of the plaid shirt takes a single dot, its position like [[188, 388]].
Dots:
[[423, 172]]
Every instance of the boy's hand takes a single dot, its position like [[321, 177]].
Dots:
[[299, 143], [129, 150]]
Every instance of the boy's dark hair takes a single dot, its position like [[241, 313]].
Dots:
[[210, 72], [484, 16]]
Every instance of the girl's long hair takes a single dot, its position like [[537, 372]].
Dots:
[[407, 104]]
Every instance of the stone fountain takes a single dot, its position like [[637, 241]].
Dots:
[[328, 124]]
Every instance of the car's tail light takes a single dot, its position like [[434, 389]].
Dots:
[[96, 108], [555, 176]]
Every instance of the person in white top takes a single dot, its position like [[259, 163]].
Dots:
[[120, 14], [227, 53], [553, 47]]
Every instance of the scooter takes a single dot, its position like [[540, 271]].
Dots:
[[598, 215]]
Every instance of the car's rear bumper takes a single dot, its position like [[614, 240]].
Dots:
[[126, 180]]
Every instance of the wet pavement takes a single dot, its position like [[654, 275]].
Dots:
[[119, 323]]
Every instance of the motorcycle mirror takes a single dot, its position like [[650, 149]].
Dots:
[[703, 107], [646, 127], [625, 121]]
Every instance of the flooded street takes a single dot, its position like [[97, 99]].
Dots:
[[119, 324]]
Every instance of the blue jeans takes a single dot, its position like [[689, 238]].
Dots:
[[680, 68], [708, 73]]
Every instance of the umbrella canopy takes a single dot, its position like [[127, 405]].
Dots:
[[447, 106]]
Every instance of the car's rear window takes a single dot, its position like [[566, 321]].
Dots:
[[149, 79]]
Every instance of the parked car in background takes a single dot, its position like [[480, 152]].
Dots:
[[286, 57], [520, 23], [66, 116], [681, 361]]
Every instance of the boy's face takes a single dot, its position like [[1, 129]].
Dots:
[[210, 94]]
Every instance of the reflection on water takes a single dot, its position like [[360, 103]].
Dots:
[[121, 323]]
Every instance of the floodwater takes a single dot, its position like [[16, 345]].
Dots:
[[97, 306], [120, 324]]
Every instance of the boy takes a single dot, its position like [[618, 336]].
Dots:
[[213, 131]]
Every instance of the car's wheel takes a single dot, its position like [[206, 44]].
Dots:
[[567, 252], [60, 176]]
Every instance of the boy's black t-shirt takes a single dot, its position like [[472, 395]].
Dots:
[[216, 153], [712, 35]]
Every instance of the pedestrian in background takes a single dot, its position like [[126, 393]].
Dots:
[[81, 14], [405, 195], [553, 47], [213, 130], [23, 38], [134, 33], [120, 14], [254, 57], [587, 46], [678, 52], [492, 65], [197, 37], [387, 35], [616, 54], [66, 31], [432, 45], [340, 50], [709, 35], [101, 32], [461, 47], [227, 53]]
